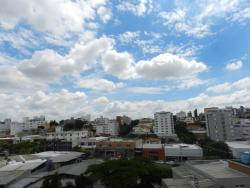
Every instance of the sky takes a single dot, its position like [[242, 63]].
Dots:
[[64, 58]]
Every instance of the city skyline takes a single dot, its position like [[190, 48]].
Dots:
[[68, 58]]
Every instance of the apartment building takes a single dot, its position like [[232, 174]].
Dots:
[[27, 124], [74, 136], [219, 123], [104, 126], [163, 124]]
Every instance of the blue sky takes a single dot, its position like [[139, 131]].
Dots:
[[69, 58]]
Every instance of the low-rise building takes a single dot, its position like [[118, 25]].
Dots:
[[73, 136], [208, 174], [154, 151], [116, 148], [183, 151], [90, 142], [237, 147]]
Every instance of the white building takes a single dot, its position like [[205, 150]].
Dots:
[[104, 126], [237, 147], [90, 142], [163, 124], [219, 123], [190, 151], [241, 128], [73, 136], [27, 124]]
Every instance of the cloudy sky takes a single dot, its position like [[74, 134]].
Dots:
[[64, 58]]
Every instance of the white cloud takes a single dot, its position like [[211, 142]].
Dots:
[[190, 82], [50, 66], [101, 101], [234, 66], [104, 13], [120, 64], [197, 20], [54, 105], [57, 19], [129, 36], [134, 108], [168, 66], [149, 90], [241, 84], [138, 8], [99, 84]]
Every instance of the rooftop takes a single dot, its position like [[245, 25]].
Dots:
[[239, 144], [216, 169], [183, 146], [78, 168], [59, 156]]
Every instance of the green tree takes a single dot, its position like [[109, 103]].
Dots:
[[27, 147], [83, 181], [215, 149], [124, 173], [53, 181], [183, 134]]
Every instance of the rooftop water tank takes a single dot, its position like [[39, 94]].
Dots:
[[245, 157]]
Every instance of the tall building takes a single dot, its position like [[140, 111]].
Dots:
[[27, 124], [181, 115], [104, 126], [219, 123], [163, 124]]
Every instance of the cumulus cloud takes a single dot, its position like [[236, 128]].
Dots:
[[243, 83], [99, 84], [168, 66], [234, 66], [120, 64], [67, 17], [54, 105], [101, 101]]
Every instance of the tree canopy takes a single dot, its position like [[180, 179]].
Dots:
[[183, 134], [124, 173]]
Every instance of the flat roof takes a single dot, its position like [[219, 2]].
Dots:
[[13, 170], [27, 165], [176, 183], [239, 144], [188, 173], [153, 146], [217, 169], [59, 156], [78, 168], [183, 146]]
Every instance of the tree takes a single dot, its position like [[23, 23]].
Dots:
[[124, 173], [27, 147], [215, 149], [83, 181], [53, 181], [126, 129], [183, 134]]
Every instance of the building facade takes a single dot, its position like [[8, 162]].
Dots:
[[163, 124], [27, 124], [219, 123], [104, 126]]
